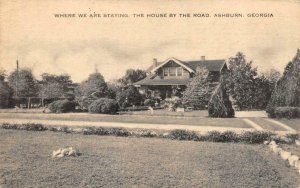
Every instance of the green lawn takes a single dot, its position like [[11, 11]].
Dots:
[[293, 123], [200, 121], [108, 161], [164, 112], [267, 125]]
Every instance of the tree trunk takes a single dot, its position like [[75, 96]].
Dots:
[[29, 103], [42, 99]]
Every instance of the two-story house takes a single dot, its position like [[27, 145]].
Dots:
[[170, 77]]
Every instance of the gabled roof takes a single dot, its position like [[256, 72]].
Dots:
[[211, 65], [176, 61], [149, 80]]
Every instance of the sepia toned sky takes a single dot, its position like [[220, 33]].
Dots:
[[30, 33]]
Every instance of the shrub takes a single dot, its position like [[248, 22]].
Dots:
[[62, 106], [219, 105], [286, 112], [128, 97], [227, 136], [149, 102], [270, 110], [104, 106], [25, 126], [148, 133], [292, 136], [106, 131], [255, 137], [9, 126], [173, 103], [61, 129], [180, 134], [95, 131], [119, 132]]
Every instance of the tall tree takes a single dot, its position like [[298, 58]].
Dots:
[[240, 81], [220, 105], [2, 74], [287, 90], [126, 93], [265, 84], [54, 86], [23, 84], [198, 90], [131, 76], [5, 91], [91, 89], [273, 76]]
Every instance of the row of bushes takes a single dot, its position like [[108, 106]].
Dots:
[[102, 105], [284, 112], [250, 137]]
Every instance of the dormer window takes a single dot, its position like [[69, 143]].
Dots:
[[172, 71], [179, 71], [166, 71]]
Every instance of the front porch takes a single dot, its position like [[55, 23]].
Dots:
[[161, 91]]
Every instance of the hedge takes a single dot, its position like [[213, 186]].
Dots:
[[62, 106], [104, 106], [287, 112]]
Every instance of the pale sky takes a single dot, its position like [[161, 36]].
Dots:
[[30, 33]]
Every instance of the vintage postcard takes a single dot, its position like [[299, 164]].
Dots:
[[139, 93]]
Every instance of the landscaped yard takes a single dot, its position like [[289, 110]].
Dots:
[[108, 161], [136, 119], [293, 123]]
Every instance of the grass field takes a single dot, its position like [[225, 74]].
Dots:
[[108, 161], [231, 122], [293, 123]]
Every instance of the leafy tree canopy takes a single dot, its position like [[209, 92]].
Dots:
[[2, 74], [54, 86], [198, 90], [51, 78], [287, 90], [129, 96], [23, 83], [131, 76], [94, 85], [240, 81], [92, 89]]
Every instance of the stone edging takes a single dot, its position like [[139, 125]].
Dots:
[[285, 155]]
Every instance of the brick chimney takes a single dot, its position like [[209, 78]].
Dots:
[[202, 58], [154, 62]]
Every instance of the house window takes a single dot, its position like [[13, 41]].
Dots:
[[172, 71], [166, 71], [179, 71]]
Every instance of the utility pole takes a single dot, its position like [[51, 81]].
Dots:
[[96, 68], [17, 79]]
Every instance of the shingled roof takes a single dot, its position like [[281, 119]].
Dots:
[[149, 80], [211, 65], [191, 66]]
